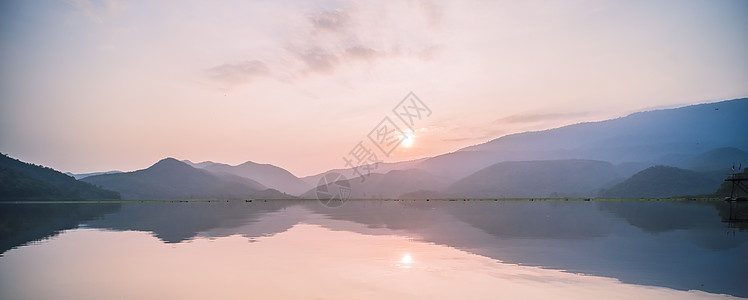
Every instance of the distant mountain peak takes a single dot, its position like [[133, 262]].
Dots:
[[199, 165], [266, 174], [169, 163], [251, 163]]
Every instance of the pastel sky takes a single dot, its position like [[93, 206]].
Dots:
[[107, 85]]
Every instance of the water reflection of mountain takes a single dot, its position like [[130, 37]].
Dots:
[[683, 245], [177, 222], [659, 216], [24, 223]]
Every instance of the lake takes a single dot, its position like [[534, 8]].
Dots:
[[375, 250]]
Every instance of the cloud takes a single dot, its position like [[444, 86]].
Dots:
[[514, 123], [428, 53], [323, 61], [327, 40], [362, 53], [339, 36], [318, 60], [334, 20], [239, 73], [481, 135], [468, 132], [534, 118], [433, 12]]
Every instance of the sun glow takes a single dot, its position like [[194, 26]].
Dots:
[[407, 140], [406, 259]]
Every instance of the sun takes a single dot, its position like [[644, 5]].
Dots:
[[408, 139], [406, 259]]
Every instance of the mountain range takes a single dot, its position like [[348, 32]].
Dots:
[[644, 137], [660, 153], [265, 174], [583, 160], [170, 179]]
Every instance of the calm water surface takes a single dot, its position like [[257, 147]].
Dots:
[[374, 250]]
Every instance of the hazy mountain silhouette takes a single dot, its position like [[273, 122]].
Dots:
[[381, 168], [199, 165], [24, 181], [172, 179], [575, 178], [701, 137], [552, 178], [718, 159], [391, 185], [266, 174], [664, 181], [84, 175], [639, 137]]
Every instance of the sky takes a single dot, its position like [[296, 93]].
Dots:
[[90, 86]]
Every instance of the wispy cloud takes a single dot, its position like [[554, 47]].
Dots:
[[467, 133], [328, 40], [432, 11], [334, 20], [513, 123], [363, 53], [239, 73], [317, 59], [542, 117], [479, 135]]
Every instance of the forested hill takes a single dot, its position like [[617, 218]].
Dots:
[[23, 181]]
